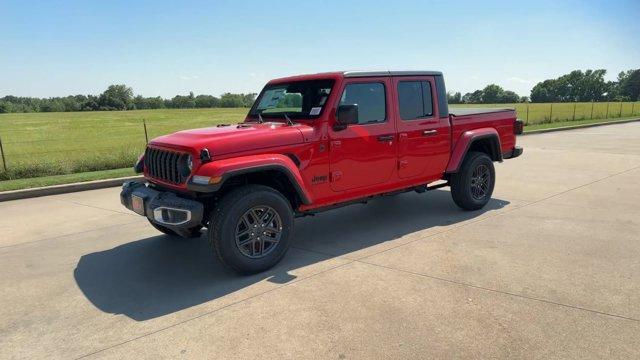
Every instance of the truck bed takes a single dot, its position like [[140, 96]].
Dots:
[[468, 119], [474, 111]]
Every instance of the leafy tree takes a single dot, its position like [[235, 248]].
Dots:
[[228, 100], [207, 101], [5, 107], [184, 102], [492, 94], [575, 86], [509, 97], [116, 97], [455, 98], [237, 100], [629, 85], [472, 98], [248, 99]]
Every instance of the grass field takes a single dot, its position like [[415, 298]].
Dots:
[[534, 114], [40, 144], [45, 144]]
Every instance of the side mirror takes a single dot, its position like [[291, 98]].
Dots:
[[346, 115]]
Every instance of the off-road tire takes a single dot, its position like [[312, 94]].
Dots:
[[191, 233], [224, 222], [462, 182]]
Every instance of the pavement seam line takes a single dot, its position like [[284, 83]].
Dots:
[[217, 310], [101, 208], [499, 291], [64, 235]]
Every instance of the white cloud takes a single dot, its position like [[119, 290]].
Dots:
[[187, 77]]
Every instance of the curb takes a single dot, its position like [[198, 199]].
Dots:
[[101, 184], [63, 189], [573, 127]]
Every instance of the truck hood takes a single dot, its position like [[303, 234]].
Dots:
[[222, 140]]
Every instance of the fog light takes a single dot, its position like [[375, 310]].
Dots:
[[171, 216]]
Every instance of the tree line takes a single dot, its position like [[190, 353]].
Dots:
[[121, 97], [576, 86]]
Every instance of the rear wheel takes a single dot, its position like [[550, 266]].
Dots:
[[472, 186], [251, 228]]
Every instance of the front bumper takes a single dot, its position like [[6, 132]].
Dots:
[[162, 207]]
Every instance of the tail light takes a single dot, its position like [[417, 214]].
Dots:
[[518, 127]]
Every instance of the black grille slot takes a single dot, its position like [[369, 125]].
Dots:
[[163, 165]]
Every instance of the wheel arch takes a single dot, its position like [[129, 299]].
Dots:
[[277, 171], [484, 140]]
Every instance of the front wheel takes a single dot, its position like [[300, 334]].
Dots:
[[251, 228], [472, 186]]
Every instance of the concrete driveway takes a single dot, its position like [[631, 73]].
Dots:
[[550, 269]]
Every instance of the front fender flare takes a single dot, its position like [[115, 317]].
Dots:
[[467, 139], [228, 168]]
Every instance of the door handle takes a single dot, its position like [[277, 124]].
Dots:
[[385, 138], [430, 132]]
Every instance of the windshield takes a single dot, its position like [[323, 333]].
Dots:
[[299, 99]]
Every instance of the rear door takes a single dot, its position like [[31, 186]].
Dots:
[[423, 137], [364, 154]]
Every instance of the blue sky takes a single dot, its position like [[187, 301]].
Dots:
[[55, 48]]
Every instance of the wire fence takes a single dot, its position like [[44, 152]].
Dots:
[[44, 144], [543, 113]]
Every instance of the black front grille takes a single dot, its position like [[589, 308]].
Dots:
[[164, 165]]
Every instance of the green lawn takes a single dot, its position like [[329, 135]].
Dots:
[[559, 124], [53, 148], [39, 144], [533, 114]]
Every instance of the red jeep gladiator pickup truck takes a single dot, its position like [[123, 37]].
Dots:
[[312, 143]]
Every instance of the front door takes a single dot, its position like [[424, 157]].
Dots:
[[423, 137], [364, 154]]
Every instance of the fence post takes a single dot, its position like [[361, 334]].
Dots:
[[4, 163], [620, 112], [551, 113], [606, 116], [592, 102], [146, 137], [574, 111]]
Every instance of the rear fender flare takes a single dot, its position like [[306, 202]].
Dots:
[[225, 169], [467, 139]]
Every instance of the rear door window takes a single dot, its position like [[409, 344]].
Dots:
[[414, 99], [370, 98]]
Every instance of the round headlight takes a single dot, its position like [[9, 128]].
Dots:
[[185, 165], [190, 162]]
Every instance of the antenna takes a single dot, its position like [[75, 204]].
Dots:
[[289, 122]]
